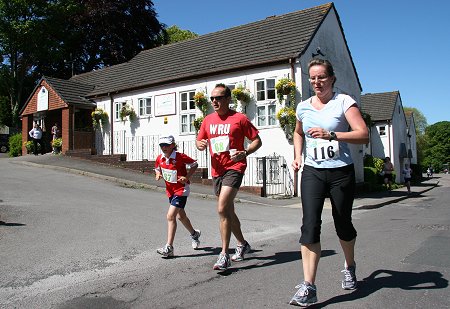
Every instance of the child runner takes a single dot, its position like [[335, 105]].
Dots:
[[171, 165]]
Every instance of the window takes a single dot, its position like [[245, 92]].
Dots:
[[145, 107], [382, 130], [118, 107], [233, 101], [265, 89], [265, 115], [187, 111]]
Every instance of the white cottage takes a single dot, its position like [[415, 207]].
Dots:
[[159, 85], [392, 133]]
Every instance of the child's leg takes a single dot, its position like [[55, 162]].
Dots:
[[185, 221], [172, 223]]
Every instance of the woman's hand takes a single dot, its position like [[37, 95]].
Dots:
[[297, 164], [319, 133]]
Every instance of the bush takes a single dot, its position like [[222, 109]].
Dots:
[[373, 179], [15, 145]]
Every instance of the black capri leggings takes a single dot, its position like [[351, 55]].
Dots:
[[316, 185]]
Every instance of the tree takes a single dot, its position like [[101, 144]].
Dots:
[[60, 38], [175, 34], [420, 120], [437, 150]]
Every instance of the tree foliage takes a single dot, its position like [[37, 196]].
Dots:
[[60, 38], [437, 150], [420, 120], [175, 34]]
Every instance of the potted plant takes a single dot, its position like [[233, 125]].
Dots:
[[287, 119], [99, 117], [127, 110], [201, 101], [241, 94], [197, 123], [57, 145], [285, 86]]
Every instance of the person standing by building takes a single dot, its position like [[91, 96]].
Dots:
[[388, 169], [407, 173], [322, 132], [55, 131], [36, 135], [171, 166], [225, 131]]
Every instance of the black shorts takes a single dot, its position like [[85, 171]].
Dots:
[[231, 178], [388, 177], [316, 185], [407, 179]]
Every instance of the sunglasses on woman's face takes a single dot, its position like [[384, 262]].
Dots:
[[164, 145]]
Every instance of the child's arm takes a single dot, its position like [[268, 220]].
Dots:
[[192, 169]]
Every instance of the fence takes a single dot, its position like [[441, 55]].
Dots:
[[271, 173]]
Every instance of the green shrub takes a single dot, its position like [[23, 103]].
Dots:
[[15, 145], [373, 179]]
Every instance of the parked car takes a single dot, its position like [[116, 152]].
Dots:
[[4, 142]]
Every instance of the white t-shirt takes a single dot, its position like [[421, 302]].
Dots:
[[321, 153]]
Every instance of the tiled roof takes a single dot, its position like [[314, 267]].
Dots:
[[70, 91], [275, 39], [380, 106]]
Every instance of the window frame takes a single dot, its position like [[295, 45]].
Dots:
[[117, 107], [145, 107], [187, 113], [266, 89]]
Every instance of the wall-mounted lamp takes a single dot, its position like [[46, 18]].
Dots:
[[318, 52]]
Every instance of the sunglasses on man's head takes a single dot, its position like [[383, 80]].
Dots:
[[164, 145], [217, 98]]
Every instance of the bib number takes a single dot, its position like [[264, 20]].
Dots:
[[321, 150], [220, 144], [169, 175]]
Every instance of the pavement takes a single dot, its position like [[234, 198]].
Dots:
[[135, 179]]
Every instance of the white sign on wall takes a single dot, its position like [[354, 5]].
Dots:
[[42, 100], [165, 104]]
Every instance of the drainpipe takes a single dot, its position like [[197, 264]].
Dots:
[[111, 121], [292, 63]]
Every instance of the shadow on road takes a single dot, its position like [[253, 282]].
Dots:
[[267, 261], [2, 223], [390, 279]]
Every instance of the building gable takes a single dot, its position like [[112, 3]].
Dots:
[[380, 106]]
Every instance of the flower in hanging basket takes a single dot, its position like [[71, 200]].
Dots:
[[201, 101], [241, 94], [125, 111], [287, 119], [285, 86], [99, 116], [197, 123]]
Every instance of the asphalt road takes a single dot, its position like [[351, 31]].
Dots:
[[71, 241]]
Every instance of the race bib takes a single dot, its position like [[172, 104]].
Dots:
[[169, 175], [321, 150], [220, 144]]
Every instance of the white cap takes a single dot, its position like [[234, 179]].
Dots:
[[166, 140]]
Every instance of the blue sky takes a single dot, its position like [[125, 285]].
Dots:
[[395, 44]]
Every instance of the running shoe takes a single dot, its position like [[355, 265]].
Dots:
[[223, 262], [240, 251], [195, 239], [349, 282], [305, 296], [166, 251]]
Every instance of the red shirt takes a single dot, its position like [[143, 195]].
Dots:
[[223, 133], [172, 168]]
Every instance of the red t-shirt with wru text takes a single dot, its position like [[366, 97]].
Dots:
[[224, 133]]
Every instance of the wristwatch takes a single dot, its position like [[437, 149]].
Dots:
[[332, 136]]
